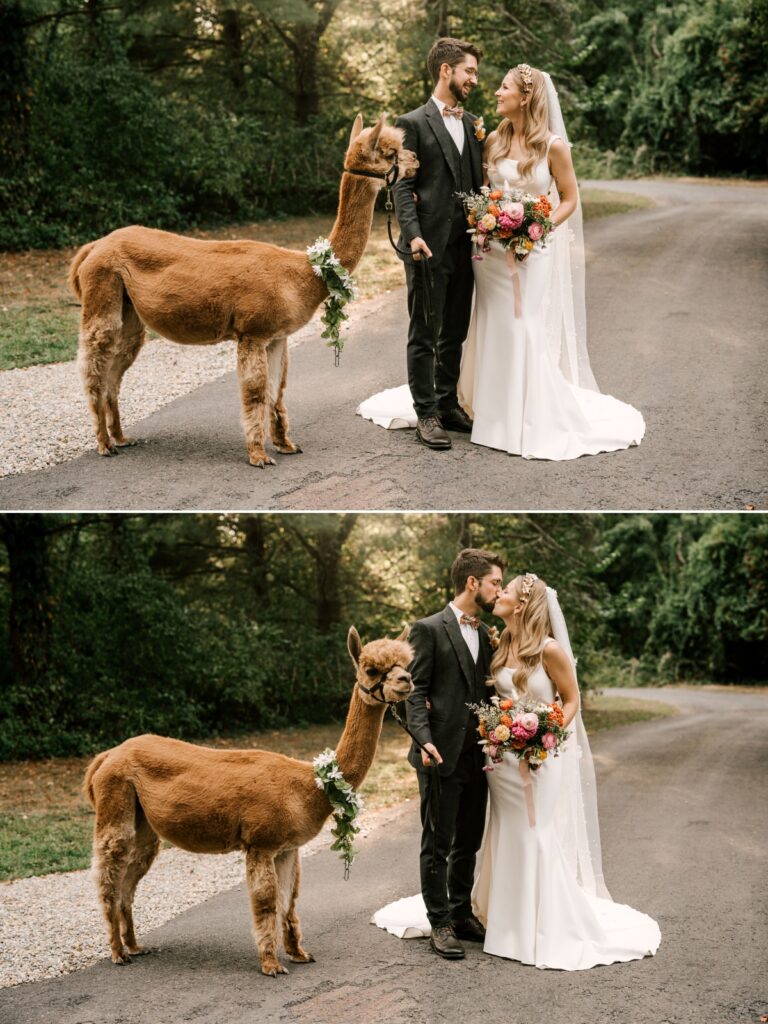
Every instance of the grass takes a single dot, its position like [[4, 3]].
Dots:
[[39, 316], [46, 824]]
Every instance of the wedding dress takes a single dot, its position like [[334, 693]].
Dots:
[[542, 901], [525, 389]]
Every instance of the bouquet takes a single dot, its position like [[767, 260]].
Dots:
[[529, 729], [517, 219]]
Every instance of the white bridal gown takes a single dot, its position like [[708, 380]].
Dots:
[[526, 391], [527, 891]]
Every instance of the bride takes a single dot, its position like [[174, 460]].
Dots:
[[525, 374], [539, 887]]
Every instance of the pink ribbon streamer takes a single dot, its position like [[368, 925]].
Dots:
[[525, 775], [512, 264]]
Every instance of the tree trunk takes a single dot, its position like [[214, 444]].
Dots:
[[232, 37], [14, 86]]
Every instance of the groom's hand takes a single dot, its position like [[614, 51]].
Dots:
[[425, 760], [419, 246]]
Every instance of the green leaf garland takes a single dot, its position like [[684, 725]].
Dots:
[[346, 804], [326, 264]]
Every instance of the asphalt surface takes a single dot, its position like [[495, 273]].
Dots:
[[685, 834], [678, 321]]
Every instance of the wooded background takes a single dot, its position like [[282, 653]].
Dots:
[[177, 114], [188, 625]]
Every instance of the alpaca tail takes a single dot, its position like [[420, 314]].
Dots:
[[90, 772], [74, 267]]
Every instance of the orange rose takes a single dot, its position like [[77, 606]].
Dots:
[[505, 705], [481, 729], [494, 210], [471, 219], [518, 744], [496, 194], [506, 720]]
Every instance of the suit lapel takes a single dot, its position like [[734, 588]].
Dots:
[[475, 149], [435, 120], [459, 646]]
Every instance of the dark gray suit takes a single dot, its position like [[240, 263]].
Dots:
[[445, 677], [437, 217]]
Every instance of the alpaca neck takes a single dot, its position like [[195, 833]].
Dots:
[[352, 227], [356, 748]]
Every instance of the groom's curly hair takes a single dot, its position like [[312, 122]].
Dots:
[[473, 562], [450, 51]]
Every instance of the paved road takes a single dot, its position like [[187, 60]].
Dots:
[[678, 312], [685, 834]]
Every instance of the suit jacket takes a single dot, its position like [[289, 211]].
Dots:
[[437, 177], [444, 674]]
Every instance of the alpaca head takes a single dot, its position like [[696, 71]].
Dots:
[[375, 149], [382, 661]]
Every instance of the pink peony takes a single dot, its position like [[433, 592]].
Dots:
[[520, 731], [530, 721], [548, 741], [492, 737], [515, 212], [535, 231], [506, 223]]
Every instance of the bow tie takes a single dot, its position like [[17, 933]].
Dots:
[[453, 111], [470, 620]]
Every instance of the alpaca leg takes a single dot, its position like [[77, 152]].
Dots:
[[130, 343], [114, 843], [253, 371], [263, 890], [288, 867], [101, 324], [277, 355], [146, 848]]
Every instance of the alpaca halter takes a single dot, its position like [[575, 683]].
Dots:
[[378, 688]]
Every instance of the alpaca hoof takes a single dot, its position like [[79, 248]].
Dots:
[[139, 950], [121, 959], [125, 442], [289, 448], [260, 461], [107, 451], [302, 957], [273, 969]]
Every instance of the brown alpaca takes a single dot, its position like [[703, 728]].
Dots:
[[200, 292], [216, 801]]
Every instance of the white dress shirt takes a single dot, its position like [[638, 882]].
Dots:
[[455, 125], [470, 635]]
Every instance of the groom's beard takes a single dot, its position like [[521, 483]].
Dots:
[[487, 606], [459, 96]]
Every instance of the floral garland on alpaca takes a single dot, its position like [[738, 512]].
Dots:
[[338, 281], [346, 803]]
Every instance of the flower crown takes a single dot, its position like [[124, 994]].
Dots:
[[525, 587], [526, 73]]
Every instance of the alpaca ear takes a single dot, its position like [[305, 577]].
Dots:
[[373, 138], [354, 645], [357, 127], [404, 635]]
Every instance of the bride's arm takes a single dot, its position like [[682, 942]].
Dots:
[[558, 667], [486, 150], [561, 165]]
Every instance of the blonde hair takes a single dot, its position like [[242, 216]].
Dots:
[[527, 644], [532, 84]]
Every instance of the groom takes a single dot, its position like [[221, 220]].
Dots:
[[451, 664], [448, 142]]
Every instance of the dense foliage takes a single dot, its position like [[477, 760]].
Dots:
[[191, 624], [174, 115]]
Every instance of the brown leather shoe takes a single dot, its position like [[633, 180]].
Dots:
[[469, 929], [456, 419], [430, 433], [445, 944]]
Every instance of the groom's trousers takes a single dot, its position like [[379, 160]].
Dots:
[[433, 387], [447, 861]]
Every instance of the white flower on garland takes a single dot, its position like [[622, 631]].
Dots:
[[346, 804], [326, 264]]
